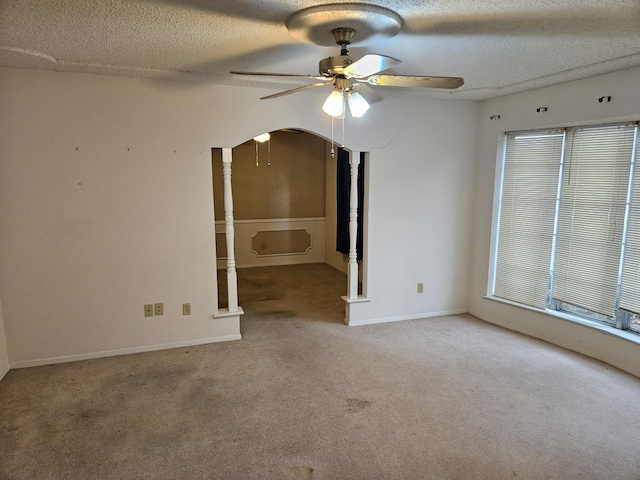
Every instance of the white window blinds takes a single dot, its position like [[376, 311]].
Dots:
[[592, 217], [527, 212], [630, 290]]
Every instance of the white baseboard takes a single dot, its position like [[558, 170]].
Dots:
[[4, 371], [417, 316], [342, 268], [123, 351]]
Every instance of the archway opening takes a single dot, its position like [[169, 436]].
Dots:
[[284, 217]]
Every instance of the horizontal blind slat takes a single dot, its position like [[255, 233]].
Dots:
[[527, 208], [591, 217]]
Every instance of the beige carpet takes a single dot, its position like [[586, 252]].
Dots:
[[304, 397]]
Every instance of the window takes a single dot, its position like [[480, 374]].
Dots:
[[568, 230]]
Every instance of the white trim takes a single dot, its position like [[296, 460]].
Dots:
[[4, 372], [352, 269], [495, 212], [258, 255], [358, 299], [123, 351], [416, 316], [225, 313], [275, 220]]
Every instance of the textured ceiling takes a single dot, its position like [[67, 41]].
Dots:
[[497, 46]]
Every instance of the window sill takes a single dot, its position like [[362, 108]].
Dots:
[[624, 334]]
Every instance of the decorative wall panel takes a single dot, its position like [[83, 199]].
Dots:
[[280, 242]]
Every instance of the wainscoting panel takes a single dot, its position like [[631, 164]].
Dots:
[[282, 241], [268, 243]]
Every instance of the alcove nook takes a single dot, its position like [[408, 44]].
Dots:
[[278, 197]]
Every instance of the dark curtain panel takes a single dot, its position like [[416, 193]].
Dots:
[[344, 190]]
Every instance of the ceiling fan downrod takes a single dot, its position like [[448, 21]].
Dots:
[[343, 38]]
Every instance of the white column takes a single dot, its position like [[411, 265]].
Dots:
[[232, 277], [352, 288]]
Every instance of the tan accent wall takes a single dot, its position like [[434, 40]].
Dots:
[[292, 187], [221, 245]]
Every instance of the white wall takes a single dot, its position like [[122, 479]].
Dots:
[[4, 357], [419, 214], [568, 104], [106, 204]]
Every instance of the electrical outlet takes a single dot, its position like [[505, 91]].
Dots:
[[186, 309], [421, 288], [158, 308], [148, 310]]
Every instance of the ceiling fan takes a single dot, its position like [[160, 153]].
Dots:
[[350, 78]]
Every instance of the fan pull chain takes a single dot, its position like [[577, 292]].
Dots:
[[333, 153], [269, 151], [342, 143]]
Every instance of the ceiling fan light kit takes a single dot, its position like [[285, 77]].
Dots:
[[334, 105], [345, 22], [358, 106]]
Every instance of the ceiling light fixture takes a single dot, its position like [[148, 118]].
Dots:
[[336, 103], [358, 106], [262, 138], [336, 106]]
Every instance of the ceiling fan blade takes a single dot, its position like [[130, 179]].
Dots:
[[294, 90], [415, 81], [370, 64], [268, 74]]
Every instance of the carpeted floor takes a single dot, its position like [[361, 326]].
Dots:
[[302, 396]]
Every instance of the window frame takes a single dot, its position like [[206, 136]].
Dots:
[[623, 321]]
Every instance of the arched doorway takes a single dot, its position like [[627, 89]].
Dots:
[[283, 212]]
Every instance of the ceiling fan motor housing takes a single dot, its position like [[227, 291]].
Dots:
[[331, 66]]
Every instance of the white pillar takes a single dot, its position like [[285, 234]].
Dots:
[[232, 277], [352, 288]]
